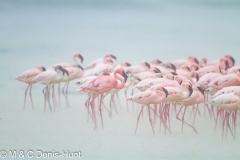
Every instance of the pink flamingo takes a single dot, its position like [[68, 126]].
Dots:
[[105, 67], [104, 84], [206, 79], [134, 69], [175, 94], [65, 64], [233, 69], [228, 57], [226, 90], [27, 77], [156, 81], [228, 105], [196, 97], [100, 60], [185, 62], [147, 98], [49, 77], [225, 81], [74, 72]]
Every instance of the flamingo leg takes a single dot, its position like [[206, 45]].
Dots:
[[150, 119], [48, 97], [45, 98], [87, 106], [184, 121], [53, 97], [93, 111], [228, 125], [25, 96], [100, 108], [138, 119], [30, 94], [59, 86], [125, 93], [66, 91]]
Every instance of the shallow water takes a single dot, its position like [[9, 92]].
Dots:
[[48, 32]]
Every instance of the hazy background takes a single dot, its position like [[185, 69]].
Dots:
[[45, 32]]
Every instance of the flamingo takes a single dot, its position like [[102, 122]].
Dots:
[[134, 69], [228, 57], [104, 84], [147, 98], [65, 64], [228, 105], [106, 67], [206, 79], [196, 97], [27, 77], [188, 62], [233, 69], [225, 81], [100, 60], [226, 90], [152, 73], [49, 77], [74, 72]]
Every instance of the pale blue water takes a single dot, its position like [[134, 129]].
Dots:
[[46, 32]]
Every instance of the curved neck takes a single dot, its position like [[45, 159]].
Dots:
[[75, 60], [119, 85]]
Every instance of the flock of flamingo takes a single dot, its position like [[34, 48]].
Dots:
[[166, 90]]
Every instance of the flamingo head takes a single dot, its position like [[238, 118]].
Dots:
[[41, 68], [78, 55], [59, 68], [193, 59], [145, 64], [126, 64], [156, 62], [230, 57]]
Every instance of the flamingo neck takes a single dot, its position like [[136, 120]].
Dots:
[[75, 60], [119, 85]]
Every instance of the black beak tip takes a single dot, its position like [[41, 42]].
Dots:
[[43, 68], [147, 64], [81, 58]]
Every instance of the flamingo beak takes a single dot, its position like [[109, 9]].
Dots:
[[173, 67], [128, 64], [65, 71], [147, 64], [190, 91], [43, 68], [125, 76], [197, 77], [156, 70], [81, 57], [227, 65], [233, 60], [114, 57], [196, 61], [201, 90], [166, 92]]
